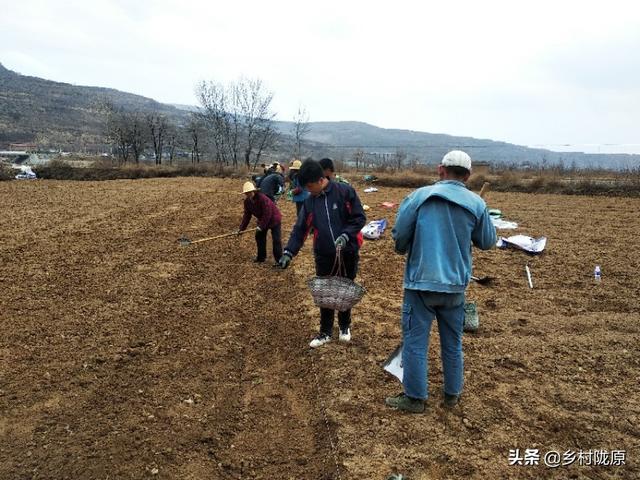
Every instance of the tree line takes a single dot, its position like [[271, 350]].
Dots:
[[233, 125]]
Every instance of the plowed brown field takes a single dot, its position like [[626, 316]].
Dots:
[[124, 355]]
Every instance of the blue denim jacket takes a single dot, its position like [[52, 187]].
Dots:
[[436, 226]]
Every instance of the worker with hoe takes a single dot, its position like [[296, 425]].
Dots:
[[298, 193], [269, 218], [436, 227], [335, 213]]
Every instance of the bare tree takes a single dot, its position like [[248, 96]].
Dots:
[[234, 124], [173, 139], [358, 158], [119, 137], [118, 130], [239, 118], [194, 130], [301, 128], [213, 100], [399, 158], [137, 135], [267, 139], [413, 162], [254, 104], [158, 126]]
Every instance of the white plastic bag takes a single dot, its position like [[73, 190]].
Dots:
[[374, 229]]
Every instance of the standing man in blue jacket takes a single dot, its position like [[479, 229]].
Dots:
[[298, 193], [336, 215], [435, 227]]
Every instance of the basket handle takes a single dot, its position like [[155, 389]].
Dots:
[[339, 269]]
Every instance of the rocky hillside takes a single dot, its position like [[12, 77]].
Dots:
[[71, 117], [61, 115]]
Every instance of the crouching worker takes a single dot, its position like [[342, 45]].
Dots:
[[436, 226], [335, 213], [330, 171], [269, 218]]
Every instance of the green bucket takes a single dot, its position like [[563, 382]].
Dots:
[[471, 319]]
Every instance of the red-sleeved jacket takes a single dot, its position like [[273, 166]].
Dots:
[[263, 208]]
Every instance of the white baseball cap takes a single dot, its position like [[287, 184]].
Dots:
[[456, 158]]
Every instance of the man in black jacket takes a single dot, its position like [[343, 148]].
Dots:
[[272, 185], [336, 215]]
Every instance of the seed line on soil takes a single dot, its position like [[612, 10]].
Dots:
[[323, 410]]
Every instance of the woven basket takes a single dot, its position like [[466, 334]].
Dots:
[[335, 293]]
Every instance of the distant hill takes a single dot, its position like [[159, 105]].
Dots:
[[430, 147], [61, 115]]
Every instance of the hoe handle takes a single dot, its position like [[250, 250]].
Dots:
[[484, 189], [223, 235]]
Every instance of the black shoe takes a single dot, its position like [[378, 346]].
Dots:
[[451, 401], [259, 260]]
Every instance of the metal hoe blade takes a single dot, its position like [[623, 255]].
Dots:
[[482, 280]]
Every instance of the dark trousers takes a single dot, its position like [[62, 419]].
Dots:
[[276, 237], [324, 267]]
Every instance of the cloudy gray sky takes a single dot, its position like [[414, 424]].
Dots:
[[533, 73]]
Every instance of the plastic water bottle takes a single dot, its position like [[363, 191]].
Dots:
[[597, 274]]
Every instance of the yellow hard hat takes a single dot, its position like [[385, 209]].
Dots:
[[278, 169], [248, 187], [295, 165]]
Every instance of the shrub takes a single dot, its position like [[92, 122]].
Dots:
[[403, 179], [476, 181], [61, 170], [538, 183], [625, 184], [7, 172], [54, 170], [508, 181]]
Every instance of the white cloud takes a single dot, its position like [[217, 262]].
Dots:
[[540, 72]]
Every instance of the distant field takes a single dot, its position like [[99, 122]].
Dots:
[[124, 355]]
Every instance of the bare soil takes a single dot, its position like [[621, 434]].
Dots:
[[124, 355]]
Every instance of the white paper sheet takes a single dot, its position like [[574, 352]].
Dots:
[[393, 365], [503, 224], [523, 242]]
